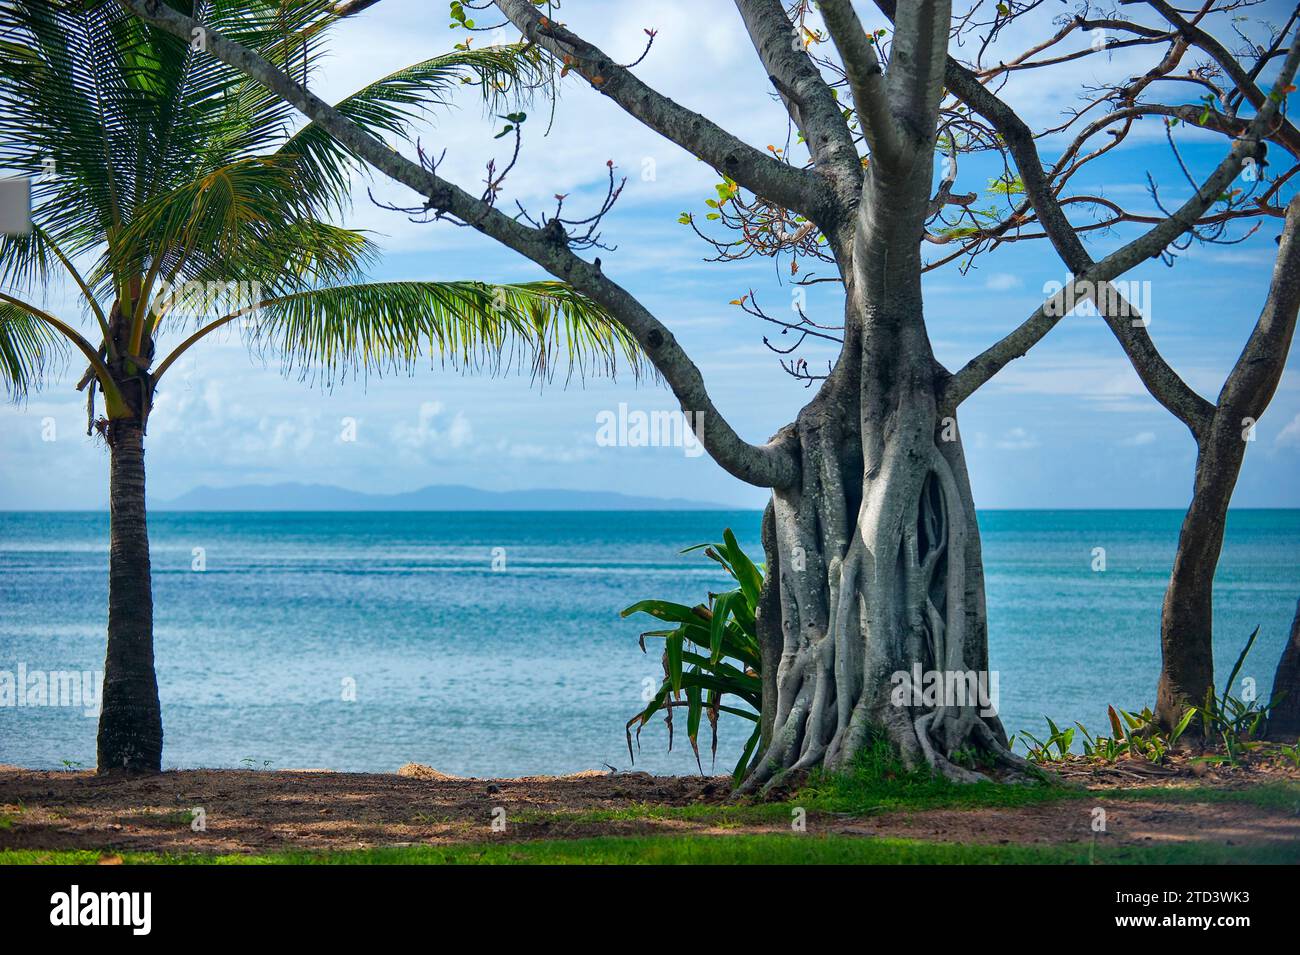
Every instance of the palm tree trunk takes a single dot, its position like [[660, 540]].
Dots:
[[130, 724]]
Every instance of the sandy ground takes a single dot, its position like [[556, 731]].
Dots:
[[250, 811]]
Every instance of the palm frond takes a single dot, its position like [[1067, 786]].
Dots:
[[27, 346], [296, 257], [65, 102], [26, 261], [154, 162], [390, 106], [331, 333], [221, 214]]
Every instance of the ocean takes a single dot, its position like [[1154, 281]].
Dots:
[[490, 643]]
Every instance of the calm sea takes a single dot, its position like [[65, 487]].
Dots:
[[528, 668]]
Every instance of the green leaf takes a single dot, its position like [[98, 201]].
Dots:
[[1241, 658], [738, 774], [337, 331], [718, 626], [693, 713], [743, 569], [664, 610], [728, 663], [673, 652], [27, 346]]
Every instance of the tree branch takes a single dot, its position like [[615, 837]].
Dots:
[[755, 170], [1162, 381], [769, 465], [1287, 133], [807, 97], [916, 72], [1255, 376], [345, 8], [866, 79]]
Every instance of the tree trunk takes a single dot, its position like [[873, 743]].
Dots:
[[877, 557], [1284, 718], [130, 724], [1187, 617], [877, 574], [767, 625]]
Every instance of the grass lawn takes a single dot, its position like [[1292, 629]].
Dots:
[[877, 813], [710, 849]]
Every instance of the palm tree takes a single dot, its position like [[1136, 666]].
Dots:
[[162, 176]]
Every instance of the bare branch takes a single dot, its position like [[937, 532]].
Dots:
[[1244, 82], [1163, 382], [755, 170], [767, 465], [916, 71], [345, 8], [866, 79], [1255, 376], [807, 97]]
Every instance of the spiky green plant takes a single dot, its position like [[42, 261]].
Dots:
[[1234, 721], [712, 652], [157, 171]]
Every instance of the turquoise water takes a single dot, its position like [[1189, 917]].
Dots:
[[528, 668]]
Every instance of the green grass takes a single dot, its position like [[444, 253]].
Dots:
[[1278, 796], [876, 784], [879, 783], [716, 850], [863, 794], [720, 815]]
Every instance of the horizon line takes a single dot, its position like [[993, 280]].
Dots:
[[567, 510]]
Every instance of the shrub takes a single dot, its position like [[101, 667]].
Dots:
[[711, 656]]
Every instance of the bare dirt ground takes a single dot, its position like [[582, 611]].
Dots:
[[250, 811]]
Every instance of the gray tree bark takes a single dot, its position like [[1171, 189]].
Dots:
[[1284, 719], [877, 557], [1187, 616]]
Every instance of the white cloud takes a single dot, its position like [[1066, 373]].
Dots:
[[1002, 281], [1289, 436], [1017, 439], [431, 431], [1139, 439]]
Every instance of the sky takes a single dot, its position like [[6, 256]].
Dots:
[[1069, 425]]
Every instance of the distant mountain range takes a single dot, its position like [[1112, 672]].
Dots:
[[436, 497]]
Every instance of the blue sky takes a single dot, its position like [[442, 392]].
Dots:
[[1067, 426]]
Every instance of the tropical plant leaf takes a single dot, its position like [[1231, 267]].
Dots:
[[382, 326], [27, 346], [152, 158], [712, 653]]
